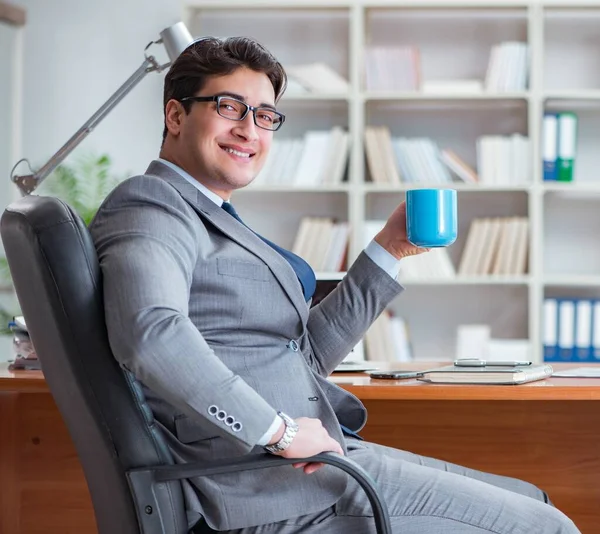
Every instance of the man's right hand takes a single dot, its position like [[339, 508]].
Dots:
[[311, 438]]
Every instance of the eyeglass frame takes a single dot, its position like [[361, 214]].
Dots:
[[217, 99]]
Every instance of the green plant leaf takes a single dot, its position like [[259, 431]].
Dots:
[[83, 184]]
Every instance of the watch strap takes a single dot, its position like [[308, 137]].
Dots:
[[291, 428]]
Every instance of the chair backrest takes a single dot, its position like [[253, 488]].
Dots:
[[58, 282]]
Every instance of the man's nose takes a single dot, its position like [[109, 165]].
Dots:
[[246, 127]]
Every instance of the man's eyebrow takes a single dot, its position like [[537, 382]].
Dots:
[[243, 99]]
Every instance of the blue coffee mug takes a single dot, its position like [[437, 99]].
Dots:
[[431, 217]]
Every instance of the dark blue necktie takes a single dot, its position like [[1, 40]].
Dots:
[[303, 270]]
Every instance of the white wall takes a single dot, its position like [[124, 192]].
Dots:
[[9, 131], [76, 54]]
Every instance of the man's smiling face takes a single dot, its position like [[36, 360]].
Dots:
[[222, 154]]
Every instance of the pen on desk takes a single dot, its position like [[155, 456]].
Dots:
[[466, 362]]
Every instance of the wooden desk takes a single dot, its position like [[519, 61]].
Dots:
[[544, 432]]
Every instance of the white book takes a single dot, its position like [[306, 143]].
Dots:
[[596, 331], [485, 164], [264, 177], [314, 156], [337, 247], [501, 259], [387, 154], [458, 167], [566, 329], [509, 80], [583, 333], [483, 244], [276, 168], [491, 76], [491, 245], [326, 237], [335, 139], [468, 260], [549, 144], [519, 265], [302, 239], [440, 171], [505, 161], [519, 146], [311, 246], [513, 235], [285, 175], [410, 166], [424, 172], [340, 158], [550, 332], [567, 136], [374, 156], [318, 78]]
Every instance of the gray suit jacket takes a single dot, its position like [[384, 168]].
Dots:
[[213, 323]]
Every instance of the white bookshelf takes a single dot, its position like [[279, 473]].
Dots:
[[454, 39]]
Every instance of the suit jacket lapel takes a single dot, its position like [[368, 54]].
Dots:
[[242, 235]]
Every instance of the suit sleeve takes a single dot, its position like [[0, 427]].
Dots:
[[340, 320], [147, 241]]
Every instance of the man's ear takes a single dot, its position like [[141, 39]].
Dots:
[[174, 113]]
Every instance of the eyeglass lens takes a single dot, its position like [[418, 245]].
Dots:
[[234, 109]]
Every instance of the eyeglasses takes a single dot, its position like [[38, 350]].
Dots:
[[236, 110]]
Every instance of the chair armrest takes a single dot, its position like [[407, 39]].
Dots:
[[165, 473]]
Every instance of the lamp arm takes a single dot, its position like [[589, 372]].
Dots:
[[28, 183]]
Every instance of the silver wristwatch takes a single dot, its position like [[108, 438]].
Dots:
[[291, 427]]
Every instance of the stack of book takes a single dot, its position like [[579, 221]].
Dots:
[[559, 146], [322, 243], [571, 330], [496, 246], [501, 160], [318, 158], [508, 68]]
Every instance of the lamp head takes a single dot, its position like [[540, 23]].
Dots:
[[176, 39]]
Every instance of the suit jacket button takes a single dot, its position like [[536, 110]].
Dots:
[[293, 345]]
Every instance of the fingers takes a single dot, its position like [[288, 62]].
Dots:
[[311, 468]]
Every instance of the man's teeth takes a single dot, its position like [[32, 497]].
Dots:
[[236, 153]]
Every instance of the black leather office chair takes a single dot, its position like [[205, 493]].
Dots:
[[133, 482]]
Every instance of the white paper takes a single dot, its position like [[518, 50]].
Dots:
[[579, 372]]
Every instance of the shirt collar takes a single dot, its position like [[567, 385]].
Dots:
[[189, 178]]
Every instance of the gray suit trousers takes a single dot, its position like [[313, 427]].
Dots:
[[428, 496]]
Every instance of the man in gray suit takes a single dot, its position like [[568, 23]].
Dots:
[[216, 323]]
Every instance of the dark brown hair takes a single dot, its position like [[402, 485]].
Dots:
[[215, 57]]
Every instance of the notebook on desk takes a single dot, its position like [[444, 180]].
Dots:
[[486, 375]]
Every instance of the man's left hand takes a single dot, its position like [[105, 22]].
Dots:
[[393, 235]]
